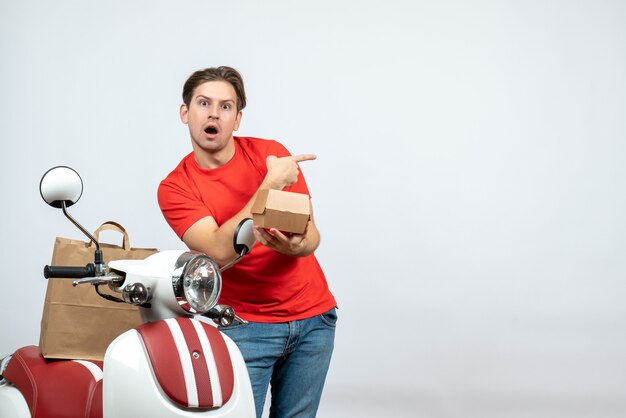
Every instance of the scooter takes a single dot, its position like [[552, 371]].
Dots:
[[176, 364]]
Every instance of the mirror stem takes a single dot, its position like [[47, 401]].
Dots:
[[79, 226], [98, 254], [235, 261]]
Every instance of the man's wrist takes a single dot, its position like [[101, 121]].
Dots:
[[270, 184]]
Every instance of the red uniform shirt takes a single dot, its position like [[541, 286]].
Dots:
[[265, 286]]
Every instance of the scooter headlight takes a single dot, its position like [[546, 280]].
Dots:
[[197, 282]]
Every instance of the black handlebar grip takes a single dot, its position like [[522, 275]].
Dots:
[[66, 272]]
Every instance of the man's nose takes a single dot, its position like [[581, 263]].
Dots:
[[213, 112]]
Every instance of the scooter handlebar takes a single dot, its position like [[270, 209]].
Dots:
[[69, 272]]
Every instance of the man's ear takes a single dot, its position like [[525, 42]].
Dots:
[[238, 120], [184, 113]]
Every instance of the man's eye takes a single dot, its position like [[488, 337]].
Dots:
[[226, 106], [203, 103]]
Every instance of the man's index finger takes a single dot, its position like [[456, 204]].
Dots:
[[304, 157]]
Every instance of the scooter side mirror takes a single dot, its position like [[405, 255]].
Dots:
[[61, 187], [61, 184], [243, 241], [244, 238]]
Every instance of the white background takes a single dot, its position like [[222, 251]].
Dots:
[[469, 185]]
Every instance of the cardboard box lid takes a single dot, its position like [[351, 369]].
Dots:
[[297, 203], [285, 211]]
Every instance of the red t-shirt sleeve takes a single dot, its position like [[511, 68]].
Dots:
[[179, 204]]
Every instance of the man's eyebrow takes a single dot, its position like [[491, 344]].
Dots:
[[201, 96]]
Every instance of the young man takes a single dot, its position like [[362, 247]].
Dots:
[[279, 288]]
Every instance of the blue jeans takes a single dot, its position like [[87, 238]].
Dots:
[[292, 356]]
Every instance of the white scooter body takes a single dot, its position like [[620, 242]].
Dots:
[[127, 367], [128, 374], [130, 387], [12, 403]]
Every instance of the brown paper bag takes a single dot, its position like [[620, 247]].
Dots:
[[76, 322]]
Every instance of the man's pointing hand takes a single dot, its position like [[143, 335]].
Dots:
[[283, 171]]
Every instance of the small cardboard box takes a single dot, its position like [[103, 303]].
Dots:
[[285, 211]]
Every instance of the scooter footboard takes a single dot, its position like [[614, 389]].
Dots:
[[176, 367]]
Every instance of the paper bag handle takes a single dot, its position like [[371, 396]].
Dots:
[[113, 226]]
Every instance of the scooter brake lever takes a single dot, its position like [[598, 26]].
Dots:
[[109, 279]]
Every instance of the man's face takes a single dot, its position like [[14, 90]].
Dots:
[[212, 116]]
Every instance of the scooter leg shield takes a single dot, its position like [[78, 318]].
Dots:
[[132, 388]]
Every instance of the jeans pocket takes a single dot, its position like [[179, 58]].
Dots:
[[235, 325], [329, 318]]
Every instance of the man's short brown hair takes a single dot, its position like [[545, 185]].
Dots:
[[223, 73]]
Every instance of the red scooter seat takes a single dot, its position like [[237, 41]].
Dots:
[[56, 388]]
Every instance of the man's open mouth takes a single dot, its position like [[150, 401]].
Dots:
[[211, 130]]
